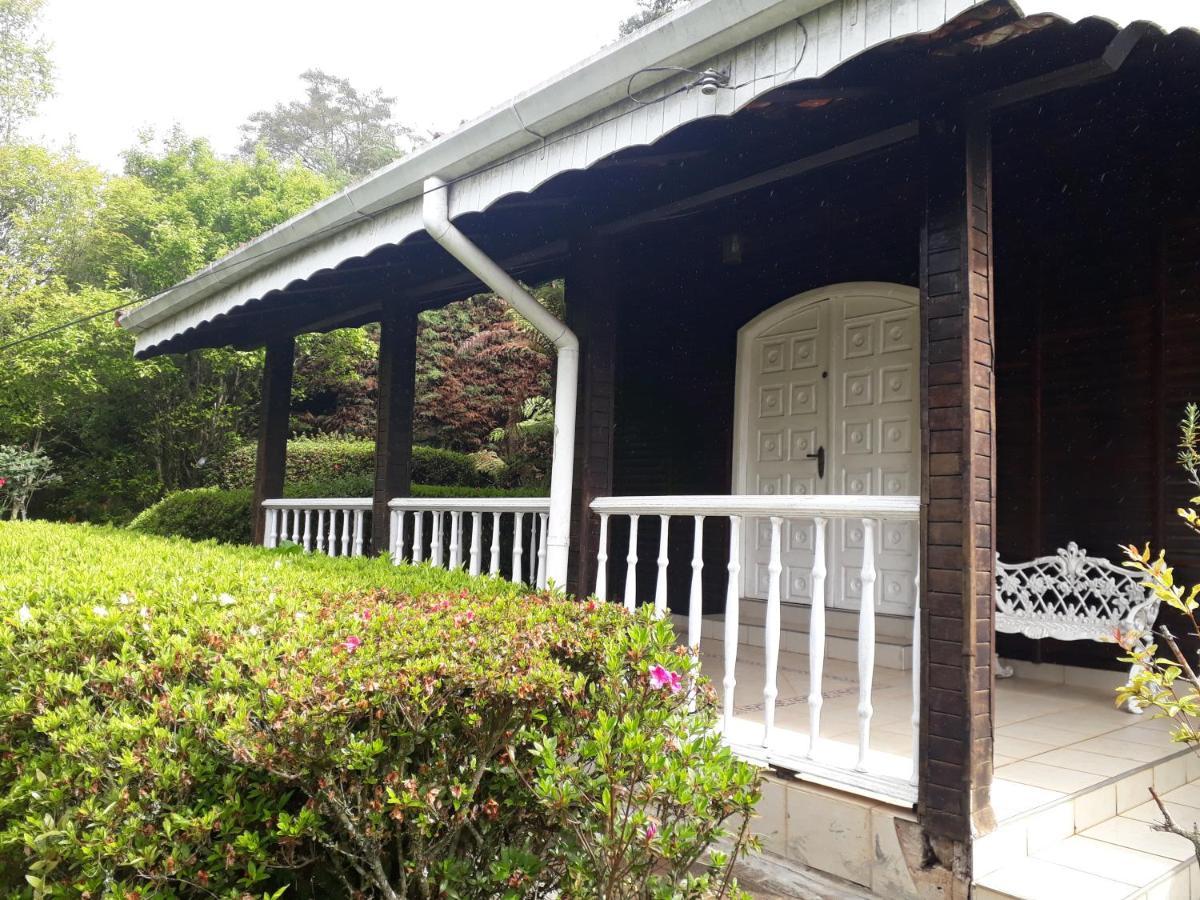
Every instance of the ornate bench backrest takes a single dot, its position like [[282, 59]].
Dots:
[[1071, 596]]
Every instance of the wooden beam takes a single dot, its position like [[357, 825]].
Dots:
[[592, 309], [957, 423], [396, 377], [863, 146], [271, 460], [1106, 64]]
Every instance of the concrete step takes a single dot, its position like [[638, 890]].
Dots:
[[1097, 843]]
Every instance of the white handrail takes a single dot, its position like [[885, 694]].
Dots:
[[318, 503], [835, 762], [830, 506]]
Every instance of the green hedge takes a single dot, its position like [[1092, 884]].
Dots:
[[189, 720], [326, 459], [223, 515]]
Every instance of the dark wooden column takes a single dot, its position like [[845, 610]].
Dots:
[[396, 377], [591, 314], [957, 419], [271, 459]]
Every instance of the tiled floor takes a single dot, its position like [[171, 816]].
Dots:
[[1053, 738]]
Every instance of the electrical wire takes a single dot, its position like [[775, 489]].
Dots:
[[706, 77]]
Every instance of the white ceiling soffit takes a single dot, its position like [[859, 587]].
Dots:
[[583, 114]]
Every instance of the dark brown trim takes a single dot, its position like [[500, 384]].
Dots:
[[957, 415], [271, 460], [394, 416], [864, 146], [591, 313]]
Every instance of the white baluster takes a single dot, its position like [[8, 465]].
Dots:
[[816, 637], [696, 602], [696, 598], [518, 550], [331, 535], [396, 536], [271, 533], [295, 526], [418, 553], [436, 548], [866, 644], [771, 638], [455, 539], [345, 532], [533, 549], [916, 660], [631, 565], [602, 560], [543, 542], [360, 516], [476, 542], [660, 586], [733, 596], [494, 562], [307, 530]]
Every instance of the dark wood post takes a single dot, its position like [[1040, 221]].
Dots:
[[591, 314], [271, 459], [957, 419], [396, 379]]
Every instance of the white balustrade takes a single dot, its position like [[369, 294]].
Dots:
[[843, 763], [337, 526], [450, 532]]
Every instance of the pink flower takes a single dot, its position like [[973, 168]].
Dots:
[[661, 677], [651, 832], [351, 644]]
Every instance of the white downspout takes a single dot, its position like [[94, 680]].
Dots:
[[435, 212]]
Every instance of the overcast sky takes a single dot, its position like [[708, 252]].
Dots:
[[124, 65]]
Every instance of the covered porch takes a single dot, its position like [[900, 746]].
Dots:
[[836, 349]]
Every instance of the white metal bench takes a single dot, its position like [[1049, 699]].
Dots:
[[1072, 597]]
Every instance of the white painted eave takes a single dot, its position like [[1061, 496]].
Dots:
[[686, 37]]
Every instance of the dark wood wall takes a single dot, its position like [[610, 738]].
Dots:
[[676, 342], [1097, 333]]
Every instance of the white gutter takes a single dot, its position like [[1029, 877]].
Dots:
[[686, 37], [435, 213]]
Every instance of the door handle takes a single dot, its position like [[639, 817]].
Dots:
[[819, 456]]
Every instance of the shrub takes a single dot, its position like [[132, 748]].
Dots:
[[21, 473], [322, 460], [200, 514], [223, 515], [196, 721]]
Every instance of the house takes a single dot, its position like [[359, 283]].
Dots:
[[859, 294]]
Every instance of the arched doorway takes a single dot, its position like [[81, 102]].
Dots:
[[827, 402]]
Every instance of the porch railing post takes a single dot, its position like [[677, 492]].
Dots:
[[733, 594], [816, 636], [866, 643]]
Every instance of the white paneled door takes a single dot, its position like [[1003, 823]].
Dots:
[[827, 403]]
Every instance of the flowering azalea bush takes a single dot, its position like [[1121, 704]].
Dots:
[[195, 720]]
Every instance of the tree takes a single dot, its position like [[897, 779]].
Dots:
[[648, 11], [476, 367], [26, 76], [336, 131], [47, 202], [123, 431]]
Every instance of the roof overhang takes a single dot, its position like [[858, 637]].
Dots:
[[583, 115]]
